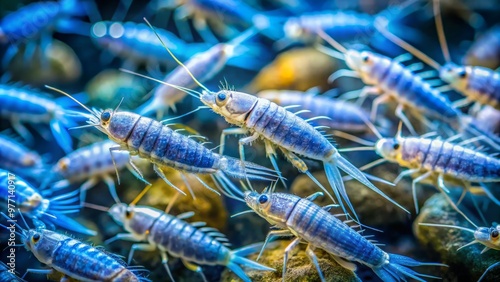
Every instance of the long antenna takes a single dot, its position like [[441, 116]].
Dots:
[[381, 24], [440, 31], [331, 41], [139, 197], [175, 58], [72, 98]]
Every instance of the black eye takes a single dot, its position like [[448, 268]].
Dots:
[[105, 116], [494, 234], [221, 96], [462, 74], [128, 214], [36, 237], [366, 58], [263, 199], [395, 146]]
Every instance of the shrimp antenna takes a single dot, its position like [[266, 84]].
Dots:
[[95, 207], [331, 41], [381, 24], [175, 58], [24, 220], [400, 129], [440, 31], [188, 91], [72, 98], [118, 106], [353, 138], [13, 221], [240, 213], [139, 197], [449, 226]]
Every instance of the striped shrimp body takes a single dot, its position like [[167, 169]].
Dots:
[[343, 116], [19, 159], [485, 51], [163, 146], [73, 258], [478, 84], [308, 222], [173, 235], [433, 158], [393, 81], [205, 65], [287, 131], [40, 205], [138, 44], [489, 237], [22, 105], [91, 163]]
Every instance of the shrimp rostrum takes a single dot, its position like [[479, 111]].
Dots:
[[308, 222], [165, 147]]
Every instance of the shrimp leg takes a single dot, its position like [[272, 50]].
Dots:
[[270, 236], [164, 261], [379, 100], [288, 249], [229, 131], [414, 187], [139, 247], [195, 268], [401, 115], [314, 259]]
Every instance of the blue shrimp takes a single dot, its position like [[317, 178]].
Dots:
[[73, 258], [41, 205], [204, 65], [19, 159], [91, 163], [137, 44], [36, 20], [308, 222], [23, 105], [173, 235], [7, 273]]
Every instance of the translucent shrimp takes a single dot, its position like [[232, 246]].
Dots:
[[163, 146], [19, 159], [73, 258], [489, 237], [393, 81], [91, 163], [477, 84], [41, 205], [23, 105], [438, 161], [308, 222], [170, 234], [282, 129]]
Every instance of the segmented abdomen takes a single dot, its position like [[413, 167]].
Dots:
[[451, 159], [152, 140], [485, 86], [16, 157], [82, 261], [325, 231], [409, 89], [287, 130], [183, 240]]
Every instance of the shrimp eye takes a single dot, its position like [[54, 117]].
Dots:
[[366, 58], [35, 237], [263, 199], [106, 116], [128, 214], [395, 146], [494, 234], [221, 96], [462, 74]]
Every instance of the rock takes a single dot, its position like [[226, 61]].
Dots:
[[466, 264], [299, 267]]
